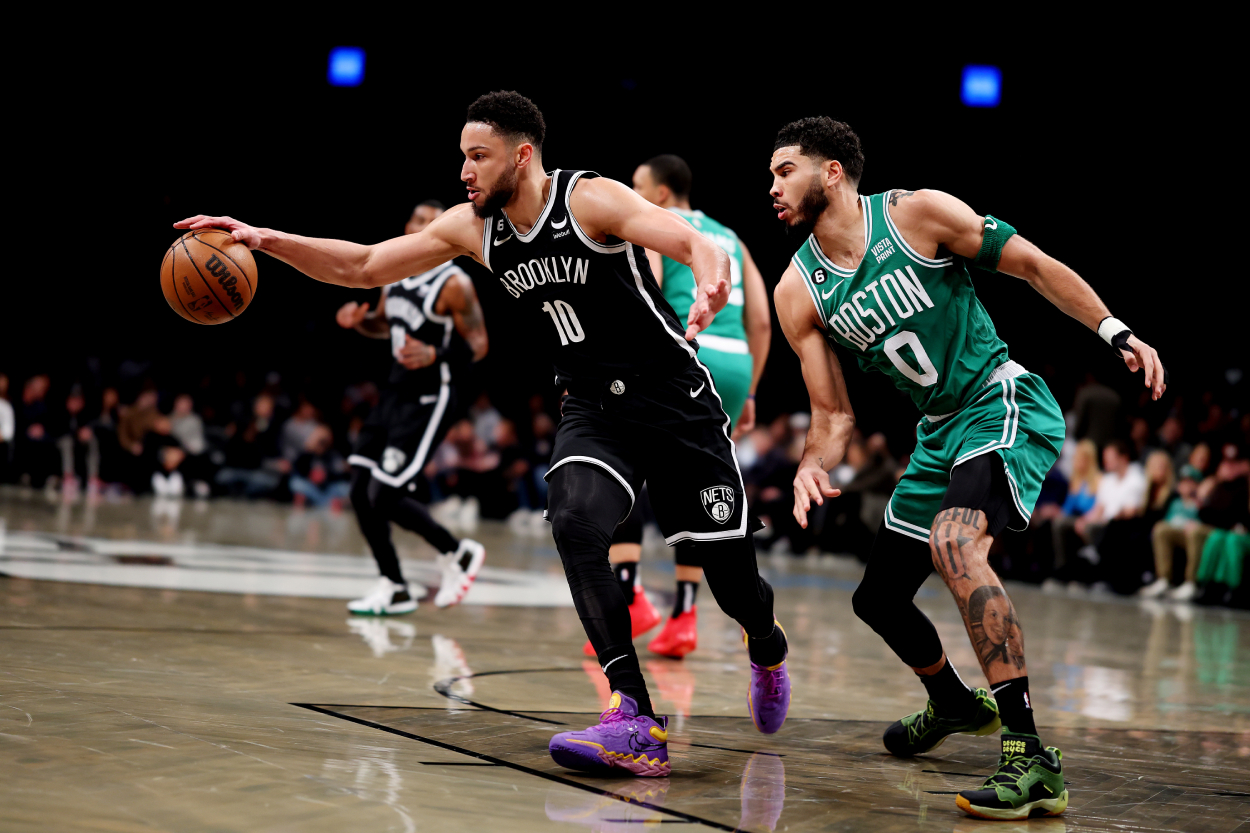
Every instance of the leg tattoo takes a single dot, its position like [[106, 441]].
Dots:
[[960, 547]]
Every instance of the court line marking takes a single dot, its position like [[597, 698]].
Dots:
[[568, 782]]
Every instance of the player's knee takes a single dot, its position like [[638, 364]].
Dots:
[[957, 530], [866, 604], [575, 527], [359, 494]]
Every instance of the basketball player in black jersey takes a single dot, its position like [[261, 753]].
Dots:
[[435, 326], [569, 252]]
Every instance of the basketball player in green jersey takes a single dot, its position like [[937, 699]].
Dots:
[[734, 348], [885, 278]]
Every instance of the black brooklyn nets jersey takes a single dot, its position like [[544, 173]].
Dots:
[[595, 305], [410, 312]]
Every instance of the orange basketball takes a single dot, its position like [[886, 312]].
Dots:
[[208, 277]]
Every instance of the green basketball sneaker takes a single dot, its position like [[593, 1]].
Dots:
[[925, 731], [1029, 782]]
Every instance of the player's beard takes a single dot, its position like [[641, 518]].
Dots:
[[808, 211], [498, 196]]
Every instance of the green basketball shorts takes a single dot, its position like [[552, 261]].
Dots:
[[1016, 418], [731, 372]]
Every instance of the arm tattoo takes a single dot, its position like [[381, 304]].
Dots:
[[472, 316], [895, 196]]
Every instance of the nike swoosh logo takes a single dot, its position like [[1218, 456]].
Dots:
[[695, 393], [505, 240], [991, 224], [605, 668], [824, 296], [560, 224], [994, 690]]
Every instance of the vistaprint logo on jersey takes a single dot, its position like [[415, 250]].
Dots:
[[564, 233], [718, 502], [883, 249]]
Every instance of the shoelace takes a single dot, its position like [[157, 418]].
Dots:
[[1011, 768], [612, 717], [921, 724]]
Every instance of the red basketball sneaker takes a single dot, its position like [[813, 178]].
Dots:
[[679, 637], [642, 617]]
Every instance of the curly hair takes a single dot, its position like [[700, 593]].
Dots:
[[823, 138], [511, 115]]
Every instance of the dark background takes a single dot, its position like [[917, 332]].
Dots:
[[1109, 150]]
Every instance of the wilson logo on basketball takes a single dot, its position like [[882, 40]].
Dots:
[[718, 501], [222, 273]]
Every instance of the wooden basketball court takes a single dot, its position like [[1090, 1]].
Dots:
[[132, 699]]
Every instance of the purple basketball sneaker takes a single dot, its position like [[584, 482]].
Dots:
[[768, 698], [623, 739]]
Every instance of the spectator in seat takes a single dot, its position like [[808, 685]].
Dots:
[[1123, 553], [1082, 490], [80, 450], [1121, 494], [35, 454], [319, 476], [1178, 528], [186, 426], [253, 467], [8, 426]]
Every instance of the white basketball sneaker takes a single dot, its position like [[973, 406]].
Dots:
[[459, 569], [385, 599]]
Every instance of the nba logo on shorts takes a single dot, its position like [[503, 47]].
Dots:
[[719, 502], [392, 459]]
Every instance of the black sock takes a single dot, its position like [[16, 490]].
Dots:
[[625, 675], [948, 691], [626, 573], [1014, 707], [686, 591], [767, 650]]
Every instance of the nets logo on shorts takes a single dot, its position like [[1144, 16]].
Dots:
[[718, 501]]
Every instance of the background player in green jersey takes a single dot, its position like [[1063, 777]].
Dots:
[[885, 278], [734, 348]]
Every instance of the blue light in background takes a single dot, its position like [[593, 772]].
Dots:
[[982, 86], [347, 66]]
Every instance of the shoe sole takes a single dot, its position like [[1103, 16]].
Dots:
[[1044, 807], [396, 610], [586, 760]]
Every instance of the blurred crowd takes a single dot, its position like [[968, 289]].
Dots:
[[1158, 508]]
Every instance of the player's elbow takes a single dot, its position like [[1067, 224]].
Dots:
[[481, 346]]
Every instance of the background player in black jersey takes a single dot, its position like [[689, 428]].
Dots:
[[435, 326], [569, 249]]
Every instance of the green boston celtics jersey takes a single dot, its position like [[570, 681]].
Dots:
[[679, 286], [915, 319]]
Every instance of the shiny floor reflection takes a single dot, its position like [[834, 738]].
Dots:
[[143, 704]]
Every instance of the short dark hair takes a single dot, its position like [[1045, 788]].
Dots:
[[823, 138], [1121, 447], [671, 170], [435, 204], [512, 115]]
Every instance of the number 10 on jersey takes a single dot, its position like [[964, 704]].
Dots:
[[567, 325]]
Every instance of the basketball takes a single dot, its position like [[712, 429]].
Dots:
[[208, 277]]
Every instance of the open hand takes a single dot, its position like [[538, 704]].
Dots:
[[242, 232], [415, 354], [709, 299], [811, 485], [351, 315], [1144, 357]]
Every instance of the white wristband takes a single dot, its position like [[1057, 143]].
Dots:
[[1110, 328]]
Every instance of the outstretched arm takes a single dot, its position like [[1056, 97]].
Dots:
[[340, 262], [942, 220], [832, 417], [759, 327], [605, 206]]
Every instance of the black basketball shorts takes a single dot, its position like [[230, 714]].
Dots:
[[669, 432], [402, 432]]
